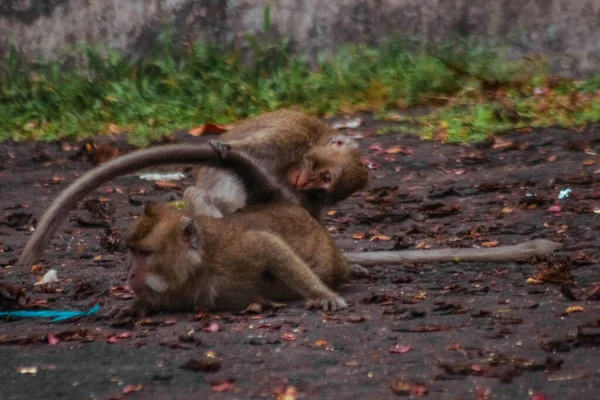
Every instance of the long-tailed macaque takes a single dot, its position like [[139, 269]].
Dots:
[[300, 152], [273, 251]]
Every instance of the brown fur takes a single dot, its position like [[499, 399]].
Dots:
[[277, 252], [283, 143]]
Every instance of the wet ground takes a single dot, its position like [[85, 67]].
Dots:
[[526, 330]]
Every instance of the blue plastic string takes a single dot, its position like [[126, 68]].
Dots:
[[57, 315]]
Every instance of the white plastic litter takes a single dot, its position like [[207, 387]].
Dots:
[[50, 277], [563, 194], [157, 176]]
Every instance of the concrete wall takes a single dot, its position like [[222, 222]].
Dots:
[[567, 31]]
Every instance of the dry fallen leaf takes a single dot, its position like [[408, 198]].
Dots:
[[507, 210], [534, 281], [358, 235], [493, 243], [574, 309], [332, 212], [501, 144], [380, 237], [290, 393], [165, 184], [27, 370], [589, 162], [208, 127], [397, 149]]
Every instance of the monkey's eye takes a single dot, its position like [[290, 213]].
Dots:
[[326, 177]]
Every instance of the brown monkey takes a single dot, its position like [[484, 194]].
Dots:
[[286, 155], [168, 154], [276, 251], [301, 152]]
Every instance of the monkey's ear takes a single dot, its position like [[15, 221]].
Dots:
[[190, 232], [341, 141], [150, 208]]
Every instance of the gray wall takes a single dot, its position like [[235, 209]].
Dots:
[[566, 31]]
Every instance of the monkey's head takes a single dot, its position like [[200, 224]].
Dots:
[[163, 246], [335, 168]]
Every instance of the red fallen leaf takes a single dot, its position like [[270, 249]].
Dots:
[[538, 396], [376, 147], [288, 336], [212, 327], [132, 388], [208, 127], [419, 390], [555, 208], [121, 292], [400, 349], [483, 394], [223, 386], [404, 388], [41, 303], [52, 339], [199, 316], [372, 165], [115, 338]]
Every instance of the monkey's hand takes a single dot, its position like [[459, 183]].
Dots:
[[359, 272], [332, 304], [220, 147]]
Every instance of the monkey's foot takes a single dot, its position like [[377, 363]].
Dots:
[[359, 272], [220, 147], [332, 304], [124, 312]]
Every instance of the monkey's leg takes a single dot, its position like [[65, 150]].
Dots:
[[197, 201], [217, 193], [286, 266]]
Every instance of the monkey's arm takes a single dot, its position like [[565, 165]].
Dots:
[[168, 154], [532, 248], [286, 266]]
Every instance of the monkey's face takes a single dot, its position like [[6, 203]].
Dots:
[[325, 166], [162, 250]]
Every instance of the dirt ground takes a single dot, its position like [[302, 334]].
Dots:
[[439, 331]]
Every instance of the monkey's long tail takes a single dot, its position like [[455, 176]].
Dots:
[[532, 248], [167, 154]]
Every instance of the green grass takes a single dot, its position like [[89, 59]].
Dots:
[[474, 91]]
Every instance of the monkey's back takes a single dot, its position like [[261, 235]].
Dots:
[[301, 232]]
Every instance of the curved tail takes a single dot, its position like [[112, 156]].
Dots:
[[167, 154]]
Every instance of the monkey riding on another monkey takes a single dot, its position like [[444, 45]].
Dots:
[[304, 159], [177, 259]]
